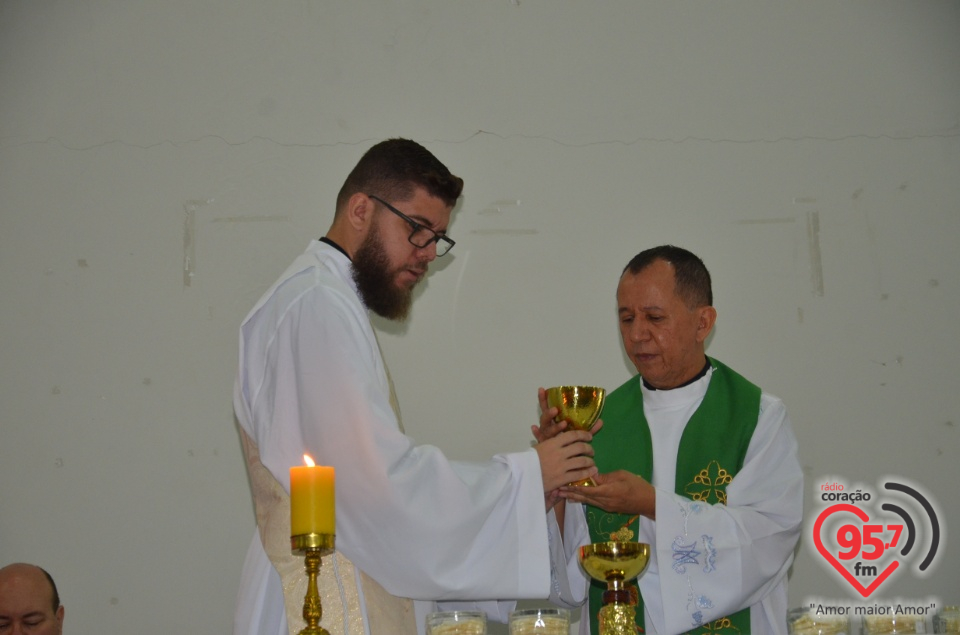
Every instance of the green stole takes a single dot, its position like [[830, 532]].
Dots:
[[712, 448]]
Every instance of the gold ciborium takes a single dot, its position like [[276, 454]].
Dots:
[[579, 406], [616, 563]]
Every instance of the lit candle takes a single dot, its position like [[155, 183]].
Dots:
[[311, 499]]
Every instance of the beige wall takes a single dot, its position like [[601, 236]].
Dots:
[[161, 162]]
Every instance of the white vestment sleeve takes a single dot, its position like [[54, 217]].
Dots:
[[422, 526], [568, 585], [260, 609], [714, 560]]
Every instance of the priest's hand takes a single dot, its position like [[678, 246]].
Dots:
[[549, 426], [565, 458], [619, 492]]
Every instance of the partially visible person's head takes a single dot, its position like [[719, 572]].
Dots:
[[392, 169], [29, 602], [664, 306]]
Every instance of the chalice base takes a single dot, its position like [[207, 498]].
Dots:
[[584, 483]]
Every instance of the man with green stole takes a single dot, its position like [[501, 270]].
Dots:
[[696, 461]]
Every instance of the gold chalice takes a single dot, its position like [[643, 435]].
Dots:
[[616, 563], [579, 406]]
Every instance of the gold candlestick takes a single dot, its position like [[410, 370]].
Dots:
[[312, 547]]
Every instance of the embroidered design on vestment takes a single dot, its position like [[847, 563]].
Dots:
[[703, 602], [697, 618], [722, 625], [710, 562], [684, 555], [623, 533], [710, 484]]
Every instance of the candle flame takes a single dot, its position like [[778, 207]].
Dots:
[[308, 460]]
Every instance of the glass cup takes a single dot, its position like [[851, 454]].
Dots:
[[552, 621], [884, 624], [947, 620], [457, 623], [803, 621]]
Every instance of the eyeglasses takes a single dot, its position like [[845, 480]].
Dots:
[[421, 236]]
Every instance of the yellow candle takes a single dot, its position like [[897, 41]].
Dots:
[[312, 499]]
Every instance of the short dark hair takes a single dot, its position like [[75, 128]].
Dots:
[[690, 275], [393, 168]]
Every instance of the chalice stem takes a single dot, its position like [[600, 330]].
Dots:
[[618, 619]]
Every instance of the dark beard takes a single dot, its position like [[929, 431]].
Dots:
[[371, 272]]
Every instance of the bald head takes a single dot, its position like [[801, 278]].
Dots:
[[29, 602]]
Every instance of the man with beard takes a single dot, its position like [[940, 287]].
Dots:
[[412, 526]]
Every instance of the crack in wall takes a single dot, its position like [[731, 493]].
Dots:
[[638, 140]]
